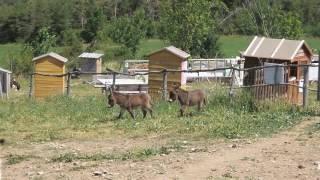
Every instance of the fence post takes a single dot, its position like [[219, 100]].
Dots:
[[113, 80], [165, 85], [1, 90], [30, 85], [305, 86], [69, 84], [232, 82], [318, 89]]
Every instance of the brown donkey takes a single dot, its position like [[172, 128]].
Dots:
[[129, 102], [188, 98]]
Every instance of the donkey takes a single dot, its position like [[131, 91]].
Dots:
[[187, 98], [129, 102]]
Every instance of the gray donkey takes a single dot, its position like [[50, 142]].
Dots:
[[129, 102], [187, 98]]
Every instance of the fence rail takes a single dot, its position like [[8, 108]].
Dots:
[[232, 87]]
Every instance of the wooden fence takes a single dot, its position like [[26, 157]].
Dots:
[[290, 90]]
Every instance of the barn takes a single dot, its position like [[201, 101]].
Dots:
[[52, 65], [5, 77], [91, 62], [264, 51], [169, 58]]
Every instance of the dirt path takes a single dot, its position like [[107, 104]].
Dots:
[[294, 154], [289, 155]]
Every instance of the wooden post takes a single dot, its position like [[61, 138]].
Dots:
[[318, 89], [69, 84], [1, 89], [305, 86], [30, 85], [113, 80], [232, 82], [165, 85]]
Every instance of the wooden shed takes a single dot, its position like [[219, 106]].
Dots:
[[49, 64], [265, 52], [91, 62], [170, 58], [5, 79]]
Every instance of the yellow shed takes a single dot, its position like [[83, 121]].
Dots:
[[169, 58], [50, 64]]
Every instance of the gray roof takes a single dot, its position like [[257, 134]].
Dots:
[[91, 55], [4, 70], [173, 50], [53, 55], [268, 48]]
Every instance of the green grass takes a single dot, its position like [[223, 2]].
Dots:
[[232, 45], [85, 116], [149, 46], [136, 154], [7, 52], [15, 159]]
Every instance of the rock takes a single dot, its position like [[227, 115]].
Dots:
[[233, 146], [40, 173], [185, 142], [30, 173], [97, 173], [317, 163], [301, 166]]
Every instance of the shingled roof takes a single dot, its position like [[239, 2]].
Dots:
[[281, 49], [53, 55], [173, 50], [91, 55]]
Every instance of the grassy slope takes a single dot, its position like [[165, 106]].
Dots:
[[7, 51], [230, 45]]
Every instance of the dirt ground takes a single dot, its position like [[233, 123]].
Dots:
[[294, 154]]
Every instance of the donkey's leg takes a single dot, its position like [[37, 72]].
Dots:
[[144, 112], [200, 104], [182, 110], [121, 113], [150, 111], [131, 113]]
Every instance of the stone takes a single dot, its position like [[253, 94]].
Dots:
[[30, 173], [40, 173], [301, 166], [97, 173]]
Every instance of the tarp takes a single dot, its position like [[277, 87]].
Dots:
[[273, 75]]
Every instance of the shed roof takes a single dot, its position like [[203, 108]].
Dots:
[[4, 70], [53, 55], [173, 50], [91, 55], [281, 49]]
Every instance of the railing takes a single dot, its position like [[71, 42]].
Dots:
[[165, 73]]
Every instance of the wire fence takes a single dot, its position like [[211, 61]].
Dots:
[[265, 82]]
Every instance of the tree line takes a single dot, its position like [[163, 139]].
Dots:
[[193, 25]]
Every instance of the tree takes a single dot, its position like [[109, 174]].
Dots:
[[42, 42], [94, 16], [187, 23], [129, 30], [269, 20]]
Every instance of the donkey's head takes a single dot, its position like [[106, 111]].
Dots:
[[173, 93]]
